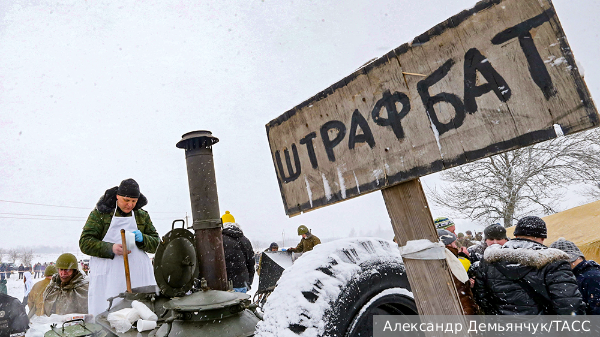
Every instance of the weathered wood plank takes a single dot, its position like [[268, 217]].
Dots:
[[431, 281], [496, 77]]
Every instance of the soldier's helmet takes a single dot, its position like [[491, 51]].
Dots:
[[66, 261], [50, 270], [302, 230]]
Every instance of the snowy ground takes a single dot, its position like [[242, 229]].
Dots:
[[40, 325]]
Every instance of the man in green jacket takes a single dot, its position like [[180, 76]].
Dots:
[[119, 208], [308, 242]]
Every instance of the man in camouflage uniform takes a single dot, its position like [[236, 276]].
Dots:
[[99, 220], [308, 242], [67, 292], [119, 208]]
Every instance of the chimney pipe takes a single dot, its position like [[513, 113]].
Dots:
[[205, 206]]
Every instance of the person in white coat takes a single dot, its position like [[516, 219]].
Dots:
[[119, 208], [28, 280]]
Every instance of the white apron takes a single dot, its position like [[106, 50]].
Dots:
[[107, 277]]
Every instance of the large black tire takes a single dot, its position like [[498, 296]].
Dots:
[[336, 289]]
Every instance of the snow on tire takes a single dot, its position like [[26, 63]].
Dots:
[[335, 289]]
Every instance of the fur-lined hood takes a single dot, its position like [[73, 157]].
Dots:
[[233, 230], [108, 202], [523, 253]]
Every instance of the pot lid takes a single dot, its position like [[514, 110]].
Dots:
[[80, 329], [206, 300], [176, 263]]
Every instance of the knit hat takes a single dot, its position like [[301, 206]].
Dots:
[[446, 236], [531, 226], [461, 235], [495, 232], [50, 270], [443, 223], [568, 247], [274, 245], [129, 188], [227, 217]]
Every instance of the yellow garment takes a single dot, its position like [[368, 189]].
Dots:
[[465, 262], [36, 296], [227, 217]]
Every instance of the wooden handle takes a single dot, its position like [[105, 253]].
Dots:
[[126, 260]]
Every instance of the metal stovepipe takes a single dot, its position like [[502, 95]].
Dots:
[[205, 206]]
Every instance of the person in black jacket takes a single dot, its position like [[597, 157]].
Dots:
[[587, 273], [239, 255], [524, 277], [21, 270], [13, 319]]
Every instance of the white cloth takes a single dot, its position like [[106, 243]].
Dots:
[[107, 277], [28, 283], [423, 249], [457, 268], [426, 250]]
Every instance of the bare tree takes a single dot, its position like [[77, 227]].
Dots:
[[509, 185], [593, 193], [13, 255], [26, 257]]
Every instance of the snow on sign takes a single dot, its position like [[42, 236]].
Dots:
[[493, 78]]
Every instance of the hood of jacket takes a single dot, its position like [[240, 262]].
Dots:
[[519, 256], [233, 230], [77, 281], [108, 202], [584, 266]]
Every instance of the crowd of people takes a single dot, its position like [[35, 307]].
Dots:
[[520, 276], [492, 273], [63, 290], [66, 287]]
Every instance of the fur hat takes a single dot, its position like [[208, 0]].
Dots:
[[568, 247], [129, 188], [495, 231], [531, 226]]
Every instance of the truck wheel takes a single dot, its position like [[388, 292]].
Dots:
[[336, 289]]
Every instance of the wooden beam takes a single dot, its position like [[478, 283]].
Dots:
[[430, 280]]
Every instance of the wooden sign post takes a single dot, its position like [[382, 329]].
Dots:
[[411, 219], [497, 77]]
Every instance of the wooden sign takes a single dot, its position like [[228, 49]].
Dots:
[[493, 78]]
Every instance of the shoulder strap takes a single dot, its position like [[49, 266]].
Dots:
[[540, 299]]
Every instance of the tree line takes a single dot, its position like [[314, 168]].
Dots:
[[527, 181], [14, 254]]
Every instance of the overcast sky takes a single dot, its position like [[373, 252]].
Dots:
[[93, 92]]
